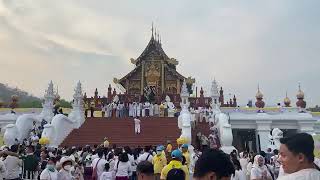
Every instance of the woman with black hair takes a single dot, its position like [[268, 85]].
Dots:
[[122, 167], [239, 174]]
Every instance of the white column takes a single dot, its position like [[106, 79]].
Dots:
[[263, 130], [306, 126]]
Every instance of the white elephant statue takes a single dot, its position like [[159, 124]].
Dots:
[[15, 133], [58, 130], [11, 135]]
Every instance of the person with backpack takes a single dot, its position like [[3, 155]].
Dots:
[[106, 175], [98, 165], [122, 167], [146, 156]]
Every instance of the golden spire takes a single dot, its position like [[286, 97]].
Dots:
[[259, 94], [300, 94]]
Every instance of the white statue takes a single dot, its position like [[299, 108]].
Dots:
[[77, 112], [170, 106], [58, 130], [277, 134], [225, 133], [59, 127], [15, 133], [185, 118], [47, 106], [115, 99]]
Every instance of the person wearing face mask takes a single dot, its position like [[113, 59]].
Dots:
[[50, 172], [159, 161], [65, 171], [259, 170]]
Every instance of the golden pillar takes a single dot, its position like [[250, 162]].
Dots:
[[178, 86]]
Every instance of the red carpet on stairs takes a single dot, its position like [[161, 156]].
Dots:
[[120, 131]]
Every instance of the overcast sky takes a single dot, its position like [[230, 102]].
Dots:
[[241, 43]]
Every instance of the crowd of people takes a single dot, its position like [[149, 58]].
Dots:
[[294, 160], [147, 109]]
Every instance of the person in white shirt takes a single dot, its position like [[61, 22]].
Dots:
[[66, 166], [239, 173], [275, 163], [139, 107], [99, 163], [3, 170], [146, 156], [259, 170], [297, 158], [244, 161], [122, 167], [137, 125], [50, 173], [13, 164], [106, 175]]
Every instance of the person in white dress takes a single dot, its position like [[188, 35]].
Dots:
[[139, 106], [297, 158], [259, 170], [244, 161], [137, 129], [156, 109], [135, 108], [131, 110]]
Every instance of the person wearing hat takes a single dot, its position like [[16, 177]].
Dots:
[[159, 161], [65, 171], [186, 154], [175, 163]]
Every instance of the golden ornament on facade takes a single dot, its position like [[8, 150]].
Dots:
[[173, 61], [190, 80], [115, 80], [133, 61], [152, 74]]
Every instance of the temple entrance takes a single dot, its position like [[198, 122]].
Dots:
[[244, 140], [289, 132]]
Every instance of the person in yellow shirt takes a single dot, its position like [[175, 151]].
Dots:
[[175, 163], [159, 161], [186, 154], [169, 147]]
